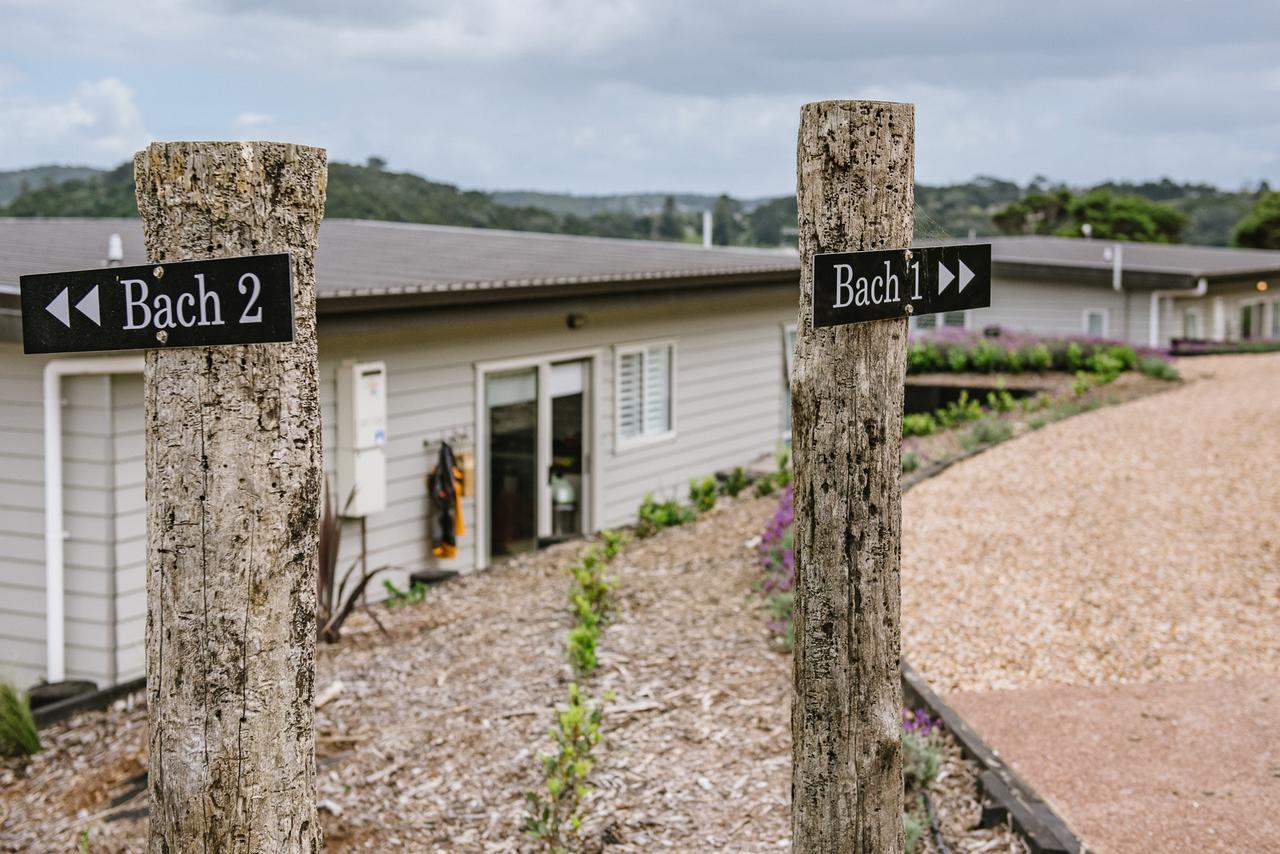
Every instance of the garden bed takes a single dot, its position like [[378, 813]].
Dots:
[[430, 742]]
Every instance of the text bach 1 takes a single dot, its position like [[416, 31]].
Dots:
[[852, 287]]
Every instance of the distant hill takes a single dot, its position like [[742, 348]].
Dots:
[[13, 184], [373, 192]]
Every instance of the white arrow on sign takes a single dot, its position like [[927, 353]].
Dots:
[[89, 305], [966, 276], [945, 277], [60, 308]]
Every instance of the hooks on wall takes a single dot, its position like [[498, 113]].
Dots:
[[457, 438]]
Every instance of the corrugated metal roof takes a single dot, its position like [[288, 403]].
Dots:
[[364, 259]]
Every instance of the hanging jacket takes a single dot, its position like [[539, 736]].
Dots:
[[445, 487]]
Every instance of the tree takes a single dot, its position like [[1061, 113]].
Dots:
[[1260, 229], [669, 225], [724, 222], [1111, 216]]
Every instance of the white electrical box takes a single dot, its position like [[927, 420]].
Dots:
[[362, 438]]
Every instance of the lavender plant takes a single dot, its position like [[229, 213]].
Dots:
[[777, 560]]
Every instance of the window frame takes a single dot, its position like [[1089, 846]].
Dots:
[[621, 443], [1106, 320], [1193, 311], [789, 332]]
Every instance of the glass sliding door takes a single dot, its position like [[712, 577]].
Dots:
[[511, 406], [569, 429]]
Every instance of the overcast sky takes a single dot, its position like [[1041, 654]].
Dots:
[[596, 96]]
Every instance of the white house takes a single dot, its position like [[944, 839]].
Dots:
[[598, 370]]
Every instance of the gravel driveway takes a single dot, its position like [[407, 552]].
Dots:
[[1136, 543]]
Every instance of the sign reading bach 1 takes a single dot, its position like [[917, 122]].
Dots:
[[185, 304], [850, 287]]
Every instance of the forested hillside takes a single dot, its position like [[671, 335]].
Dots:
[[1163, 211]]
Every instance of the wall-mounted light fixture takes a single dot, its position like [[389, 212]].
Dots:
[[1262, 286], [575, 321]]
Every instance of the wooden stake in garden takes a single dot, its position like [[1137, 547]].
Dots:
[[233, 503], [855, 191]]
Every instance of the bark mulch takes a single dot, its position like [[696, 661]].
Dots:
[[430, 741]]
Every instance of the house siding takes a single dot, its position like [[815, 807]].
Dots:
[[88, 500]]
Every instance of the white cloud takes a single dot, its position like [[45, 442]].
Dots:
[[246, 121], [99, 123]]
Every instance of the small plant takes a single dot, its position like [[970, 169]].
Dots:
[[18, 734], [734, 482], [988, 431], [910, 462], [655, 515], [783, 458], [1001, 400], [581, 647], [919, 424], [397, 598], [1083, 382], [334, 602], [702, 493], [1039, 358], [921, 750], [612, 542], [912, 832], [1159, 369], [781, 605], [957, 360], [1074, 356], [959, 411], [764, 486], [555, 813], [1037, 422]]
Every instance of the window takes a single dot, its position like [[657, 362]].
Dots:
[[644, 392], [1191, 323], [948, 319], [1095, 322]]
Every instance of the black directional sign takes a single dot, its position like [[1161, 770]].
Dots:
[[850, 287], [185, 304]]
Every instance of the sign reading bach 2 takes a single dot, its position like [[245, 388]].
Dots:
[[185, 304], [850, 287]]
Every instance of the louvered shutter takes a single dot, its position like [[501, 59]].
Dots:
[[631, 394], [657, 390]]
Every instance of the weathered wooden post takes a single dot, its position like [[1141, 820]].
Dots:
[[233, 503], [855, 190]]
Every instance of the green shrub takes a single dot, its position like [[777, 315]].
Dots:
[[1158, 368], [1105, 365], [988, 431], [919, 424], [654, 516], [959, 411], [921, 760], [735, 482], [1039, 358], [781, 610], [986, 357], [555, 813], [1083, 382], [912, 832], [910, 462], [702, 493], [613, 541], [1000, 400], [1014, 361], [957, 360], [581, 647], [397, 598], [1125, 355], [590, 583], [1073, 357], [765, 486], [18, 734]]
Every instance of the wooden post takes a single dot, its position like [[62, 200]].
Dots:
[[855, 191], [233, 504]]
